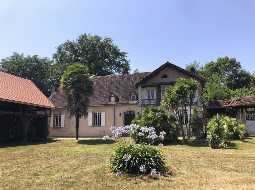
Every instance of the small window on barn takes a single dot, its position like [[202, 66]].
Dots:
[[250, 114], [57, 120], [164, 76]]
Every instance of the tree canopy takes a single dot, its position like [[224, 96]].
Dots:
[[229, 71], [34, 68], [225, 79], [100, 55], [78, 87], [179, 99]]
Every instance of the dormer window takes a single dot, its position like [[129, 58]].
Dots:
[[164, 76], [114, 99], [133, 97]]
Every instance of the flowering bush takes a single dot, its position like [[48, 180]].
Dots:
[[222, 129], [161, 121], [140, 134], [138, 159], [147, 135]]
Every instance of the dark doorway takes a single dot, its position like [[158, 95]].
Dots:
[[128, 117]]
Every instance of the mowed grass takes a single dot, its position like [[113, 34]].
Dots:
[[66, 164]]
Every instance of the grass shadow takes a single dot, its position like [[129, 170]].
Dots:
[[95, 141], [231, 145], [247, 140], [197, 143], [16, 144]]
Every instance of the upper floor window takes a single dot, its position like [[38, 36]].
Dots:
[[133, 97], [163, 90], [164, 76], [151, 94]]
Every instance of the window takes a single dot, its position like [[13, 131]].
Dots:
[[151, 93], [133, 97], [164, 76], [57, 120], [250, 115], [96, 119], [163, 89]]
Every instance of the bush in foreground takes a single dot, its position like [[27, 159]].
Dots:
[[223, 129], [138, 159]]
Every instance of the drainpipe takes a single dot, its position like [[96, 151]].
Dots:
[[113, 101]]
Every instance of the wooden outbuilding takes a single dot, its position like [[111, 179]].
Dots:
[[24, 110]]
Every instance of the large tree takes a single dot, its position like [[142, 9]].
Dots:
[[35, 68], [229, 71], [179, 99], [100, 55], [78, 87]]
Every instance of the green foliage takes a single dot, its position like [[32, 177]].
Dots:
[[197, 124], [178, 99], [223, 129], [77, 85], [137, 159], [230, 72], [215, 90], [39, 70], [157, 118], [100, 55], [194, 67], [181, 94]]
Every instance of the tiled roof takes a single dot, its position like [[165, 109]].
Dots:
[[18, 90], [244, 101], [122, 86]]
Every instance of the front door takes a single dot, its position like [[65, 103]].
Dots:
[[250, 121], [128, 117]]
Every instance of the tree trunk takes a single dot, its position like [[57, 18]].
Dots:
[[77, 123]]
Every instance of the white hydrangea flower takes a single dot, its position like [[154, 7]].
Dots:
[[126, 157], [142, 169]]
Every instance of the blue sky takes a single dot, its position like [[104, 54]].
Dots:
[[150, 31]]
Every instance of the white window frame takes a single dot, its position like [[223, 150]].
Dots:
[[150, 92], [163, 90], [96, 119], [57, 120]]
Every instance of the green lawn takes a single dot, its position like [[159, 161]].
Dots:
[[66, 164]]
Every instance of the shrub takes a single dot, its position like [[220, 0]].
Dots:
[[146, 135], [235, 129], [157, 118], [197, 123], [137, 159], [223, 129]]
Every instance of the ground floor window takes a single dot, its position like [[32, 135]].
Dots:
[[250, 114], [97, 119], [128, 117], [57, 120]]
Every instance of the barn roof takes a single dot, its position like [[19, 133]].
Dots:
[[19, 90], [245, 101]]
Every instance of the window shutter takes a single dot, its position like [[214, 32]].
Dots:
[[103, 119], [62, 120], [90, 119]]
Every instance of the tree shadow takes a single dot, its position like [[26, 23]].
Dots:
[[197, 143], [95, 141], [247, 140], [231, 145], [17, 144]]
